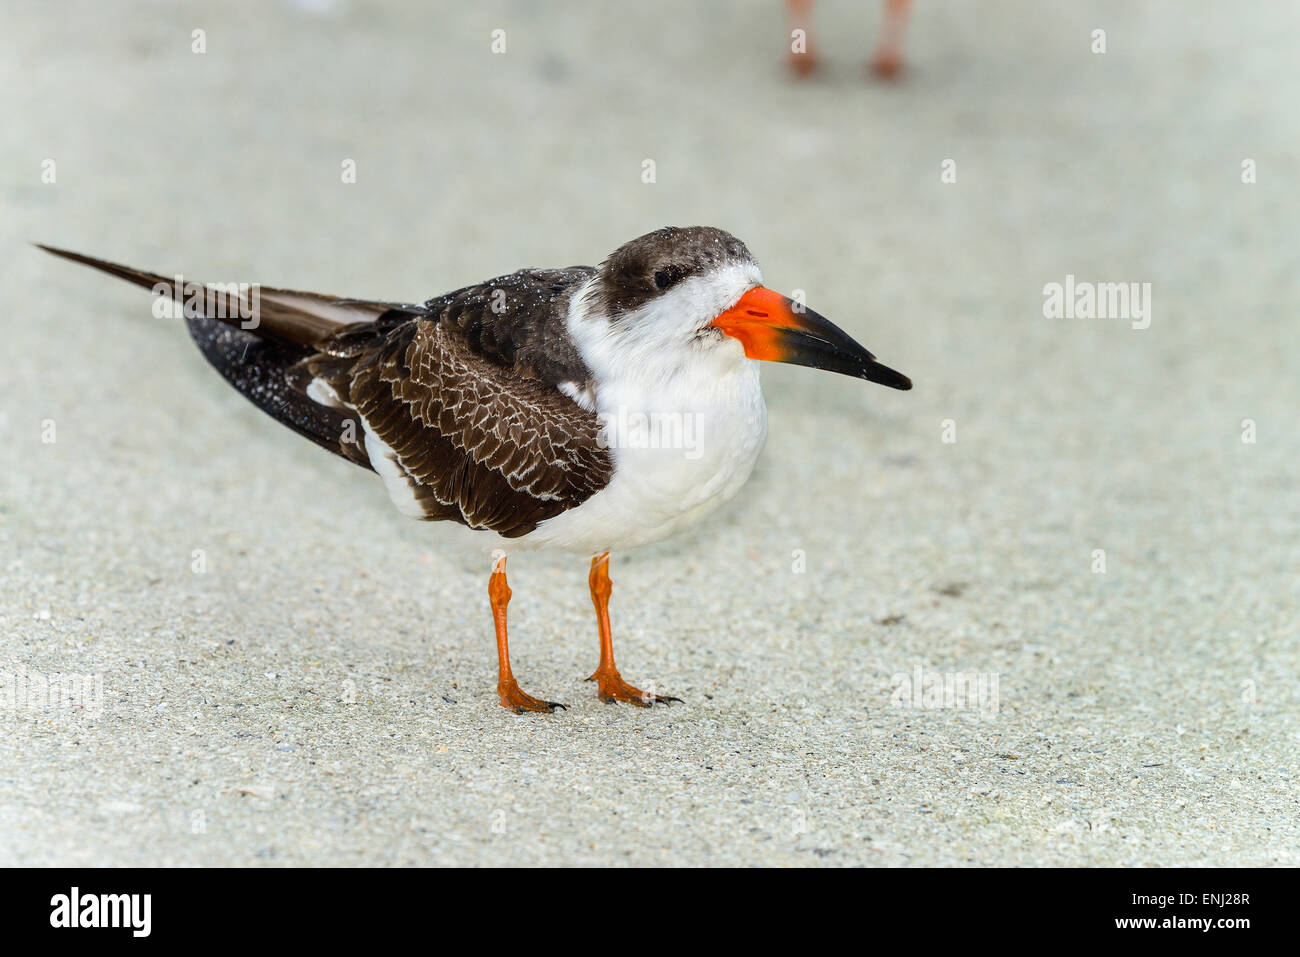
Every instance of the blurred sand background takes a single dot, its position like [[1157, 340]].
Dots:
[[323, 693]]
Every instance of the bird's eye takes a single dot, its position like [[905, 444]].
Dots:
[[663, 279]]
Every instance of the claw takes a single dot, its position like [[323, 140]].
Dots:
[[516, 700], [547, 707], [612, 689]]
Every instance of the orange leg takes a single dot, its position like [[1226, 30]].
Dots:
[[889, 53], [802, 60], [512, 696], [610, 685]]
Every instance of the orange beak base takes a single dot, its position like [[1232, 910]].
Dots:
[[776, 329]]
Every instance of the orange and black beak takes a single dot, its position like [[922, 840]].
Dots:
[[776, 329]]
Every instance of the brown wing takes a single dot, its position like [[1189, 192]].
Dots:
[[456, 432], [458, 398]]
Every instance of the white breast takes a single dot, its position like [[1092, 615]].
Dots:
[[678, 455]]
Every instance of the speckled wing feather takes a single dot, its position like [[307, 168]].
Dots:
[[462, 406]]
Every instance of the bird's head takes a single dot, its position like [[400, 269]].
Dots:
[[685, 291]]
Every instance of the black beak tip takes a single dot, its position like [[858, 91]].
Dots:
[[883, 375]]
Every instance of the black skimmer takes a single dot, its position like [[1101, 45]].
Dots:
[[586, 409], [888, 58]]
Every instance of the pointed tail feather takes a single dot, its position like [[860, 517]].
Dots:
[[285, 315], [255, 340]]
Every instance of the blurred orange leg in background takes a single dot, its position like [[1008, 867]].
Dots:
[[889, 52]]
